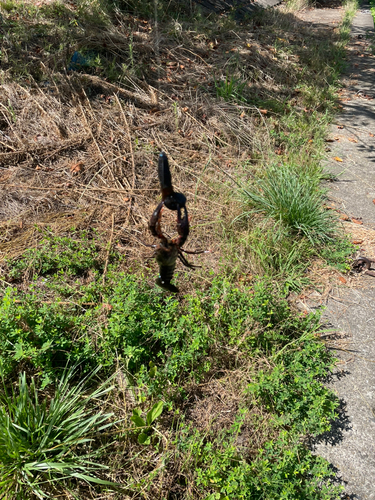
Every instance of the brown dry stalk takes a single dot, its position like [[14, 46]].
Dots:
[[61, 188], [139, 101], [83, 194], [194, 54], [95, 141], [17, 155], [109, 248], [8, 146], [9, 122], [130, 139], [87, 195]]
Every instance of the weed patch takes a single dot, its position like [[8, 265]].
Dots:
[[168, 347], [338, 254], [61, 255]]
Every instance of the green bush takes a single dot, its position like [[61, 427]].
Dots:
[[44, 336], [293, 389], [284, 469], [297, 404]]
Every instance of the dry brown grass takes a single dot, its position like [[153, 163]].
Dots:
[[74, 142], [68, 154]]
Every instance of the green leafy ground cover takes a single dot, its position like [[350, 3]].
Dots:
[[169, 346], [111, 387], [372, 5]]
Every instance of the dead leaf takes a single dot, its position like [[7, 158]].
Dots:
[[263, 111], [344, 217], [371, 135], [337, 158], [76, 168], [351, 139], [357, 242], [342, 279], [356, 221], [373, 201], [38, 167]]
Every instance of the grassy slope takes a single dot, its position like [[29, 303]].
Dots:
[[237, 370]]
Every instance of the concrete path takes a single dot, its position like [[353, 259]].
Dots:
[[355, 127], [350, 447]]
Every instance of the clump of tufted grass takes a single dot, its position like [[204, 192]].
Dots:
[[293, 200], [47, 442]]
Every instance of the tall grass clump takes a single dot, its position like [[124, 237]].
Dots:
[[47, 441], [294, 201], [279, 257]]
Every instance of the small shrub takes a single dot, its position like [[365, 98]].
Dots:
[[145, 425], [282, 468], [230, 89], [293, 388], [42, 336]]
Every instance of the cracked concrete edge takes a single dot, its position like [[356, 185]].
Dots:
[[350, 446], [353, 139]]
